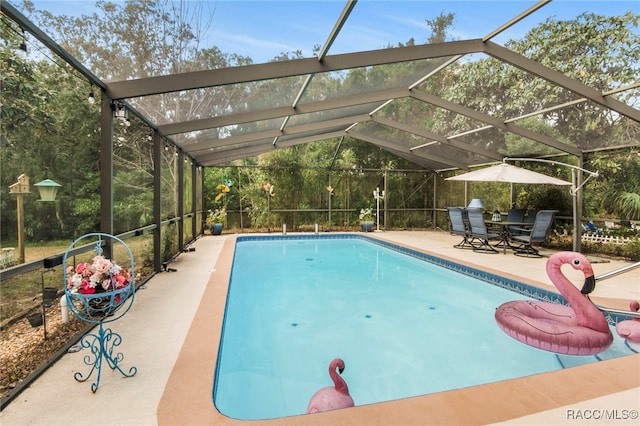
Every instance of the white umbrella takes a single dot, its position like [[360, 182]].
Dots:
[[504, 172]]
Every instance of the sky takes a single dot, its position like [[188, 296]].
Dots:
[[264, 29]]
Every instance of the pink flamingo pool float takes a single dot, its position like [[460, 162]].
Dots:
[[577, 329], [332, 397], [630, 329]]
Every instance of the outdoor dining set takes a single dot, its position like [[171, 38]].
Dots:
[[521, 229]]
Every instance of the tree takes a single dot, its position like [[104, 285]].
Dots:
[[601, 52], [618, 184], [43, 138], [107, 42]]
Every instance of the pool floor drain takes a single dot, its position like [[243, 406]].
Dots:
[[367, 316], [294, 324]]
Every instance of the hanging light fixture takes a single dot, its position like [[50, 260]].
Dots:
[[48, 189], [91, 99], [120, 111], [23, 45]]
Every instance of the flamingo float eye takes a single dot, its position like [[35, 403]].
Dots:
[[576, 262]]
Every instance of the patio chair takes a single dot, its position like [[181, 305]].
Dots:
[[537, 234], [529, 219], [531, 216], [516, 215], [458, 226], [478, 231]]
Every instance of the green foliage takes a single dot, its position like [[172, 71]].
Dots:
[[595, 50], [618, 184], [216, 216], [628, 203], [631, 250], [546, 197], [169, 241], [43, 140], [23, 101]]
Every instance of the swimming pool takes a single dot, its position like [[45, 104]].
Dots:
[[294, 303]]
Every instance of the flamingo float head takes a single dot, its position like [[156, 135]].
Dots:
[[332, 397], [337, 363], [580, 263], [587, 314]]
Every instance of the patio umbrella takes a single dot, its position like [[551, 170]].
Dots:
[[504, 172]]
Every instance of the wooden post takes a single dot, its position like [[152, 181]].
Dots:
[[20, 218], [19, 188]]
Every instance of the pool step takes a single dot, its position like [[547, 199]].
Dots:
[[568, 361]]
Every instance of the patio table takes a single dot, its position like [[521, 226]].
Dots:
[[504, 232]]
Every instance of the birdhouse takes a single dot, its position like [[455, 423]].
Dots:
[[21, 186], [48, 189]]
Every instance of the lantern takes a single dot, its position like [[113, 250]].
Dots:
[[48, 190]]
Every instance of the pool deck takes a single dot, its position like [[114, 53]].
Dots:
[[171, 335]]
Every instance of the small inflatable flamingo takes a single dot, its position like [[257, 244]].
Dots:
[[332, 397], [577, 329], [630, 329]]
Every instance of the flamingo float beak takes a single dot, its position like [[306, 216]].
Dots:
[[340, 370], [589, 285]]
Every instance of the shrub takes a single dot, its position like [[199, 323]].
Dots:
[[631, 250]]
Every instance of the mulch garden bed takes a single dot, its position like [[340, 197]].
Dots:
[[23, 349]]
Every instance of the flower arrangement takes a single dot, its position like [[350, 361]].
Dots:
[[220, 214], [224, 189], [366, 215], [268, 188], [216, 216], [99, 276]]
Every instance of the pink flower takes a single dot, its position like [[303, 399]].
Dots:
[[101, 265], [86, 288], [82, 268], [71, 276], [121, 281], [106, 284]]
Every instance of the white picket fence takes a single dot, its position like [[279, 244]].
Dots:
[[593, 238]]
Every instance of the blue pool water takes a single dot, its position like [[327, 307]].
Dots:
[[403, 325]]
